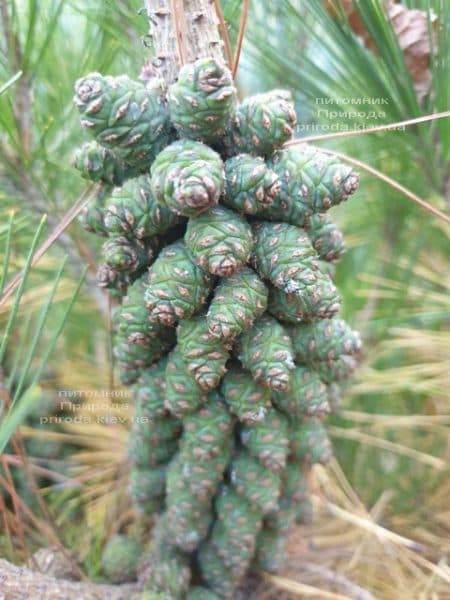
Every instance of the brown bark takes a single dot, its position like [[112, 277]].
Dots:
[[182, 31]]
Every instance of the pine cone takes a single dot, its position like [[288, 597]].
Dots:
[[220, 579], [201, 100], [220, 240], [250, 185], [260, 487], [268, 440], [187, 177], [124, 115], [204, 354], [234, 533], [133, 357], [193, 478], [132, 318], [334, 397], [308, 395], [123, 254], [92, 215], [238, 301], [310, 443], [322, 303], [97, 163], [262, 123], [117, 282], [177, 287], [183, 394], [207, 431], [328, 346], [266, 351], [311, 182], [147, 488], [165, 569], [271, 554], [132, 211], [120, 557], [326, 238], [283, 254], [247, 399]]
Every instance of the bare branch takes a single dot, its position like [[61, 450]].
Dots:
[[197, 25]]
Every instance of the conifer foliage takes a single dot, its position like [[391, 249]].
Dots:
[[217, 247]]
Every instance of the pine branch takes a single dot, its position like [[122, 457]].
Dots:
[[198, 35]]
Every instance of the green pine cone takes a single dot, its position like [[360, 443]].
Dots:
[[199, 479], [262, 123], [334, 397], [235, 530], [326, 238], [220, 579], [189, 520], [220, 240], [194, 476], [308, 395], [304, 514], [132, 358], [132, 317], [97, 163], [322, 303], [271, 555], [150, 437], [260, 487], [116, 282], [92, 215], [177, 287], [201, 593], [268, 441], [145, 451], [238, 301], [120, 557], [150, 392], [165, 569], [132, 211], [283, 519], [266, 351], [250, 185], [123, 254], [187, 177], [311, 182], [130, 118], [295, 482], [310, 442], [201, 100], [247, 399], [324, 341], [147, 488], [328, 346], [204, 354], [183, 394], [207, 431], [283, 254]]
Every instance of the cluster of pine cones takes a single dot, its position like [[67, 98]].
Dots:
[[219, 247]]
